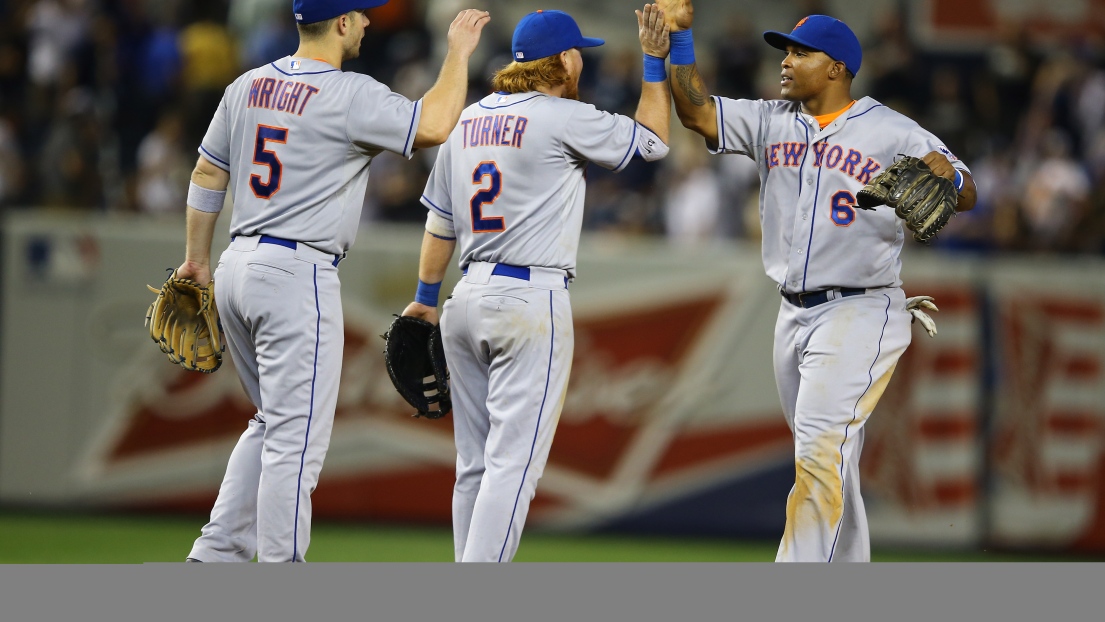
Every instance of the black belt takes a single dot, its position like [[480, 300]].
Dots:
[[821, 296]]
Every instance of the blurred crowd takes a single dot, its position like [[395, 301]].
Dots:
[[103, 102]]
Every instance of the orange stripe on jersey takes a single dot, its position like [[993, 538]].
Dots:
[[825, 119]]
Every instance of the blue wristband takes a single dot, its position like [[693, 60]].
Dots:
[[655, 71], [682, 47], [959, 181], [427, 294]]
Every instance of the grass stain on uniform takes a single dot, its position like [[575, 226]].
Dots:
[[816, 499], [871, 398]]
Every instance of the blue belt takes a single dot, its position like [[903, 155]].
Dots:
[[505, 269], [812, 299], [292, 244], [514, 272]]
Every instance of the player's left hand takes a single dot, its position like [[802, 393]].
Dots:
[[464, 32], [940, 164], [422, 312], [915, 305], [653, 31]]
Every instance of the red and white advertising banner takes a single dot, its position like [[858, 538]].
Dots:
[[671, 423], [989, 22], [1048, 467]]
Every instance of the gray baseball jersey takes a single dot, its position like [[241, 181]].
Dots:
[[511, 175], [297, 136], [809, 178], [509, 183], [835, 352]]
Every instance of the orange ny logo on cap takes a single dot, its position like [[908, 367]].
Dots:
[[799, 24]]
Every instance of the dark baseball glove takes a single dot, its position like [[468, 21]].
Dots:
[[184, 322], [415, 361], [926, 202]]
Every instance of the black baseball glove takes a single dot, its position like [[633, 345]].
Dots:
[[926, 202], [415, 361]]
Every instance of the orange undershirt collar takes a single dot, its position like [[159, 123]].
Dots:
[[321, 60], [826, 119]]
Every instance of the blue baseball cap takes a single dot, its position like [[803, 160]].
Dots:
[[825, 34], [311, 11], [545, 33]]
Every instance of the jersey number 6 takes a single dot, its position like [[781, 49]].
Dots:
[[264, 157], [843, 210], [486, 196]]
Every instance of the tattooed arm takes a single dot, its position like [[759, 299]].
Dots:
[[693, 104]]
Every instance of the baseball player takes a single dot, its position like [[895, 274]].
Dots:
[[843, 319], [294, 140], [508, 187]]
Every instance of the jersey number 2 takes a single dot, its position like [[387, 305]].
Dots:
[[264, 157], [486, 196]]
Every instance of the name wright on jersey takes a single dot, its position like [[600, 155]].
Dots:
[[282, 95]]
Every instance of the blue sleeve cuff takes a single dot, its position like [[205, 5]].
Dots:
[[682, 47], [427, 294], [655, 71]]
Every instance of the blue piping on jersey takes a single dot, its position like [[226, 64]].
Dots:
[[813, 224], [441, 237], [214, 157], [721, 121], [426, 201], [537, 429], [637, 153], [870, 381], [302, 73], [646, 127], [866, 111], [801, 166], [521, 101], [408, 144], [632, 146], [310, 415]]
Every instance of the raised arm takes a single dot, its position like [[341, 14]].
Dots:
[[443, 103], [693, 103], [654, 109]]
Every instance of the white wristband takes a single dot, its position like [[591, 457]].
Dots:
[[439, 227], [204, 199]]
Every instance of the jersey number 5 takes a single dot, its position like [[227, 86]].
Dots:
[[486, 196], [264, 157]]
